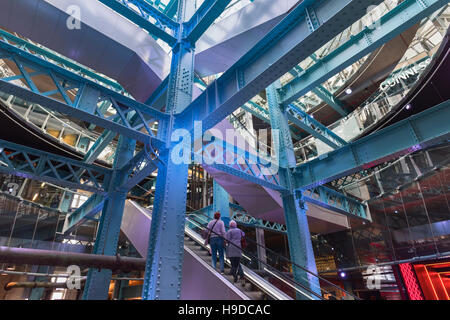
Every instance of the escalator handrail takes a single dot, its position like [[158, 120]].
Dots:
[[289, 261], [280, 275]]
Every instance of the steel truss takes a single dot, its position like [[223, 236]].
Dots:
[[304, 30]]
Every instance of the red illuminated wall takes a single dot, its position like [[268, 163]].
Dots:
[[429, 281]]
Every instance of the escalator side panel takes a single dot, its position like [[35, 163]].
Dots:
[[200, 281]]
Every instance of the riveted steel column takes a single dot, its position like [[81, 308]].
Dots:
[[165, 251], [300, 246], [97, 283]]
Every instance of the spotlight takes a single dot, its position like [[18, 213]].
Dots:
[[348, 90], [408, 106], [396, 211], [342, 274]]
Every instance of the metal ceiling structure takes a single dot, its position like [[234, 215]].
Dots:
[[301, 45]]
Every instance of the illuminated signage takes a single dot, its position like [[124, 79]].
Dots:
[[404, 75]]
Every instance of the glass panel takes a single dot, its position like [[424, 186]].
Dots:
[[436, 196], [418, 221], [398, 225]]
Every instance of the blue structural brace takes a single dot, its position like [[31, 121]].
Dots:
[[30, 163], [394, 22], [303, 120], [288, 43], [97, 282], [142, 16], [221, 200], [414, 133], [165, 251], [202, 19], [294, 205], [77, 96]]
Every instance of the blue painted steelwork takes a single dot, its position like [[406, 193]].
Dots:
[[66, 63], [294, 205], [97, 282], [165, 250], [221, 200], [394, 22], [142, 13], [329, 99], [88, 209], [242, 217], [336, 201], [200, 21], [261, 113], [139, 167], [417, 132], [282, 48], [99, 145], [241, 163], [321, 91], [304, 30], [35, 164], [303, 120], [77, 96]]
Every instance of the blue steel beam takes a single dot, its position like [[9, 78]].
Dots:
[[76, 96], [337, 202], [303, 120], [203, 18], [60, 60], [138, 168], [330, 99], [164, 262], [288, 43], [417, 132], [141, 13], [98, 280], [322, 92], [242, 217], [87, 210], [263, 114], [99, 145], [35, 164], [294, 204], [240, 163], [394, 22], [247, 175], [221, 200]]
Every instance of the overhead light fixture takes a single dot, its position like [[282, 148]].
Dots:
[[408, 106], [342, 274], [348, 90], [35, 196]]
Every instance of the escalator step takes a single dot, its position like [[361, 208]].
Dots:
[[255, 295]]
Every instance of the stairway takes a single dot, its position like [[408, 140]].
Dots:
[[199, 280], [248, 288]]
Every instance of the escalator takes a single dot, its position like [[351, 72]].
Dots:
[[200, 281]]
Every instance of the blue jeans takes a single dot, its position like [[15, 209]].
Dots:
[[217, 246]]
